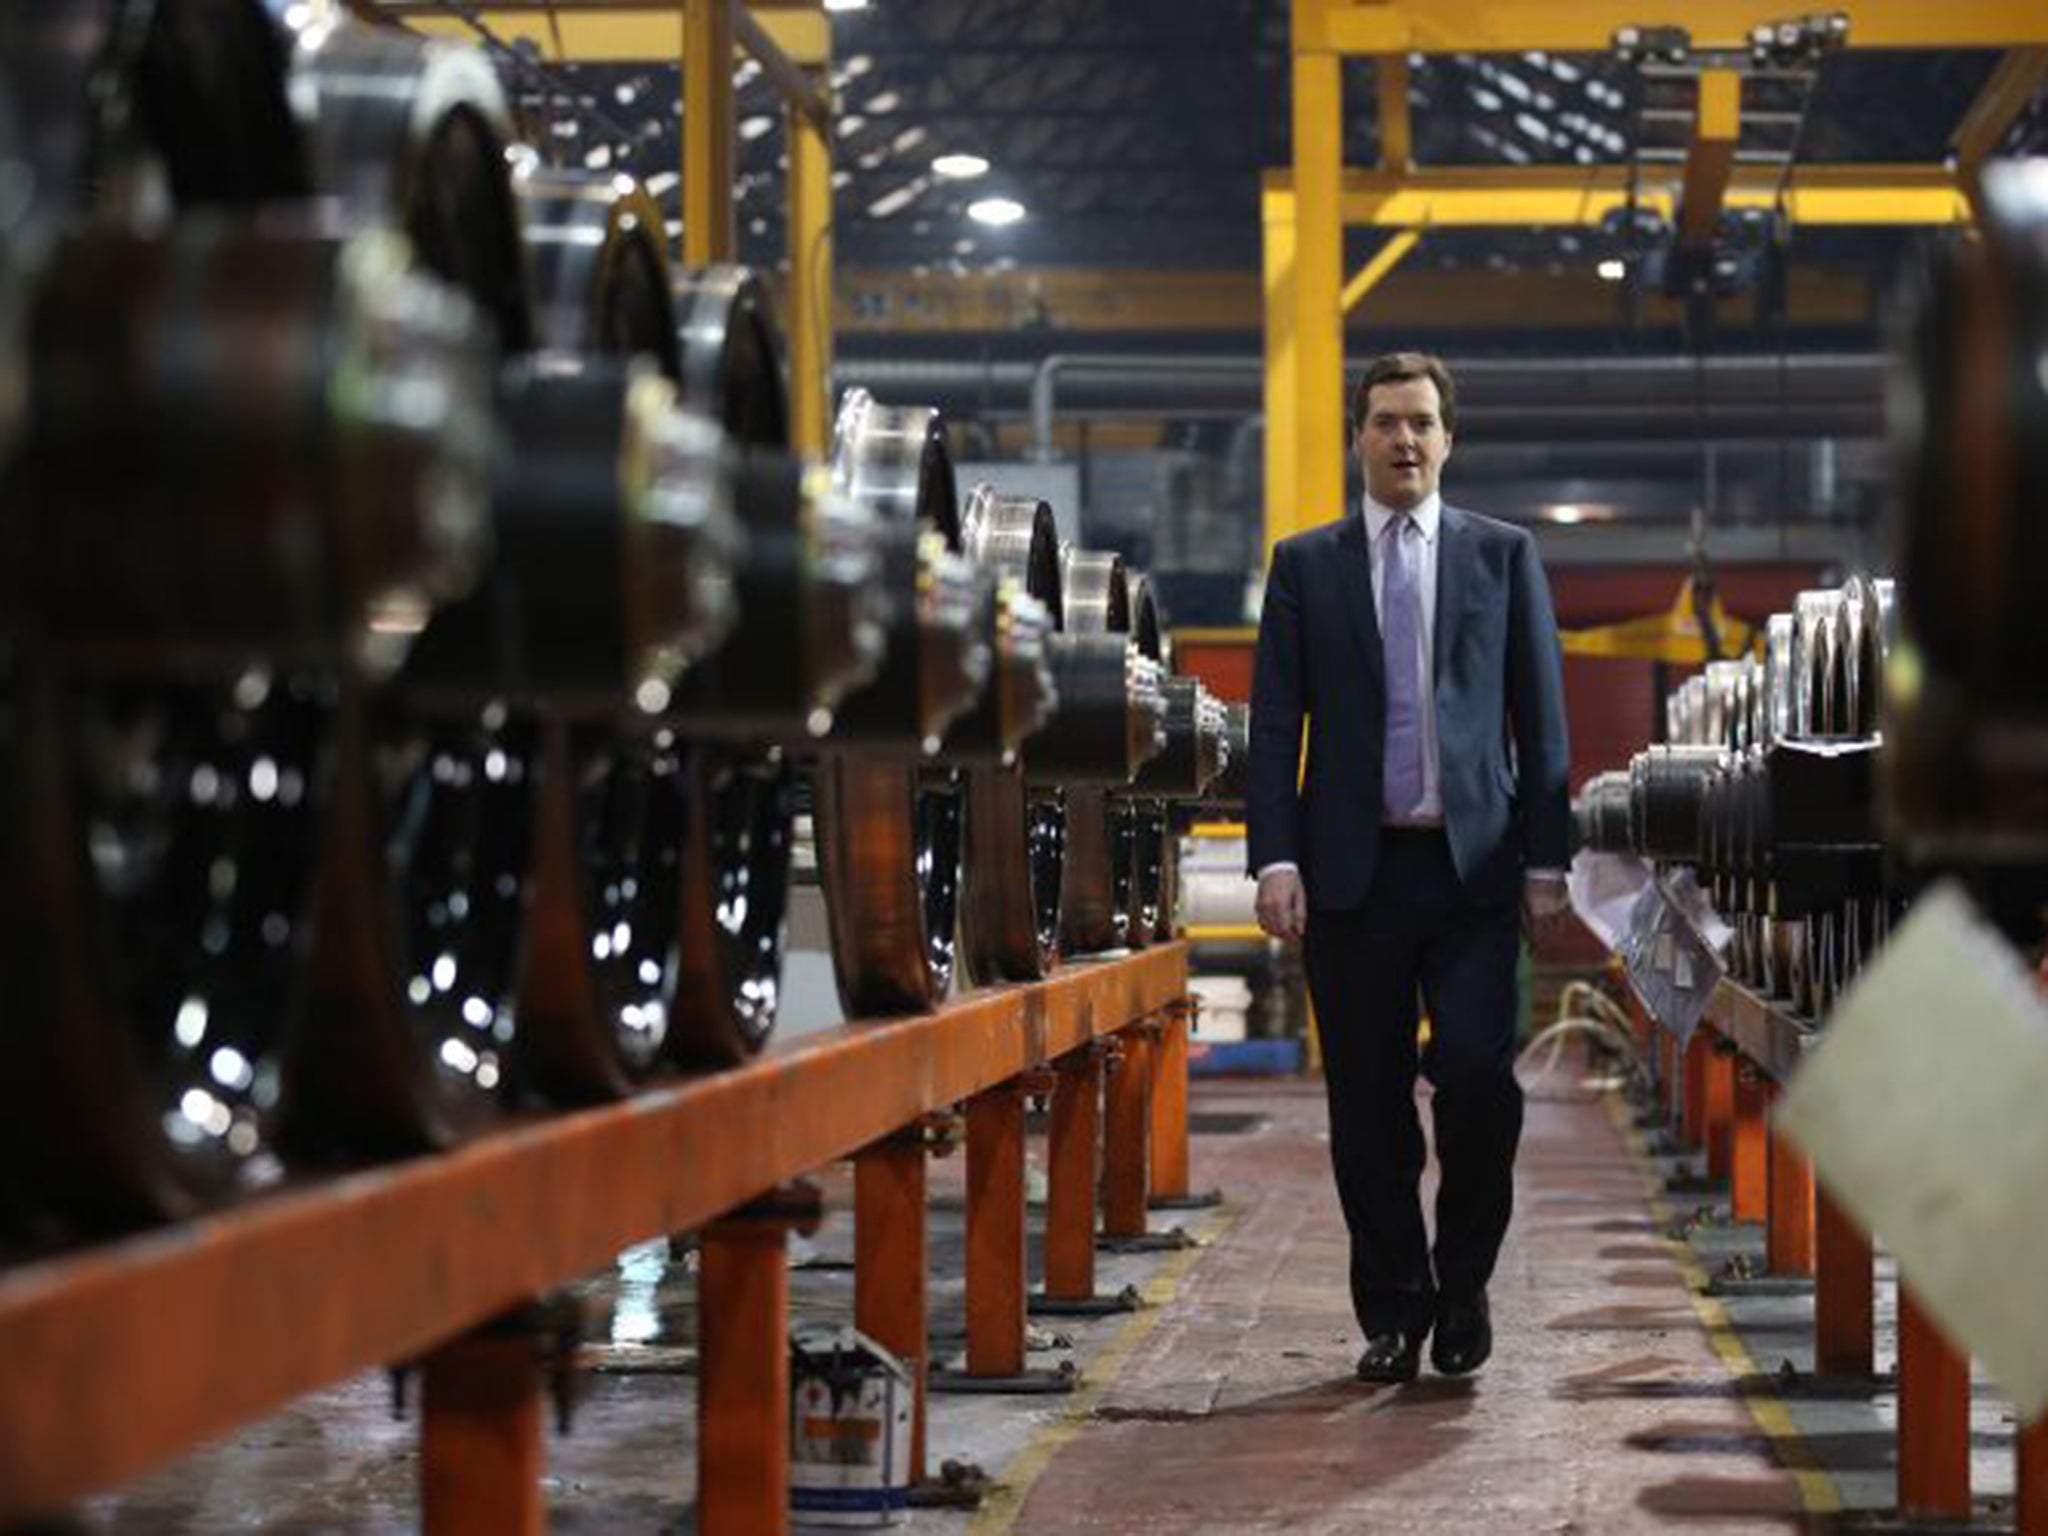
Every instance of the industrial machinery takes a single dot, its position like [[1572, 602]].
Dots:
[[411, 722], [1768, 789]]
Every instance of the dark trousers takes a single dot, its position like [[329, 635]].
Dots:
[[1417, 936]]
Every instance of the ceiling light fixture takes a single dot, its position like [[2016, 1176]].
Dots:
[[846, 5], [995, 211], [960, 167]]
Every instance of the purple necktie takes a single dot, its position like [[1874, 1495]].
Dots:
[[1407, 667]]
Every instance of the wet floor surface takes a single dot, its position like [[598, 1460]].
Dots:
[[1229, 1406]]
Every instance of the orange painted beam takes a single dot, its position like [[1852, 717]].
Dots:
[[1934, 1418], [743, 1379], [1717, 1083], [1073, 1139], [481, 1447], [996, 1298], [1126, 1123], [891, 1262], [1667, 1073], [1749, 1152], [308, 1286], [1844, 1295], [1169, 1126], [1789, 1237]]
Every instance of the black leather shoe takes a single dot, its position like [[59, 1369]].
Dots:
[[1391, 1357], [1464, 1337]]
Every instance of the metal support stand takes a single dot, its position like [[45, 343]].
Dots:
[[481, 1452], [1844, 1295], [1073, 1138], [743, 1365], [1934, 1418], [1749, 1159], [891, 1262]]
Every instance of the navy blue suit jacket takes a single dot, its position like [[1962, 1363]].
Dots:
[[1500, 711]]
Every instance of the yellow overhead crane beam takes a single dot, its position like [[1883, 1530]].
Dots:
[[1588, 26], [1531, 197], [1304, 215], [1716, 126]]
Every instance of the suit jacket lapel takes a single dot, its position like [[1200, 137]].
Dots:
[[1355, 583], [1452, 556]]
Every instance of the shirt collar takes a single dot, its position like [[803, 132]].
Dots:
[[1426, 516]]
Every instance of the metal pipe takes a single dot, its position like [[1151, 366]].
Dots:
[[1045, 382]]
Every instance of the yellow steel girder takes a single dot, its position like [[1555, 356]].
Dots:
[[1588, 26], [1397, 135], [1717, 125], [2004, 96], [1537, 196], [1384, 260], [1281, 376], [1319, 438], [615, 33], [709, 233], [809, 307]]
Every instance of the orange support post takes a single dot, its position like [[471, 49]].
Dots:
[[1718, 1088], [1169, 1129], [890, 1262], [995, 1231], [1934, 1418], [1123, 1178], [2030, 1502], [481, 1453], [1844, 1299], [743, 1365], [1667, 1070], [1073, 1138], [1699, 1050], [1749, 1160], [1788, 1236]]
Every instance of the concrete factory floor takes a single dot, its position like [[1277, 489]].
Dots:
[[1619, 1397]]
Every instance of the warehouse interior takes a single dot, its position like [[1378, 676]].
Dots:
[[635, 848]]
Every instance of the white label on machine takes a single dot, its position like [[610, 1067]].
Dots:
[[1922, 1110]]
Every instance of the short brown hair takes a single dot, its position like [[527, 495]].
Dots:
[[1398, 368]]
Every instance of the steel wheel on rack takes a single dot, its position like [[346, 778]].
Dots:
[[1016, 831], [1095, 900], [597, 989], [184, 793], [384, 127], [1141, 819], [762, 690], [890, 824]]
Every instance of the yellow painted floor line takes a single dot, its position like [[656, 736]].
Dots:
[[1817, 1490], [1013, 1482]]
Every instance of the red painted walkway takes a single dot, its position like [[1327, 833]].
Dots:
[[1605, 1407]]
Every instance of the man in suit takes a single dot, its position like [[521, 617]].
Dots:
[[1417, 643]]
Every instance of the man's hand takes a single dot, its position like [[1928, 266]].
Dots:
[[1544, 904], [1282, 904]]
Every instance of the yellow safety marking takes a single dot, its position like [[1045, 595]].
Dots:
[[1818, 1494], [1015, 1480]]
